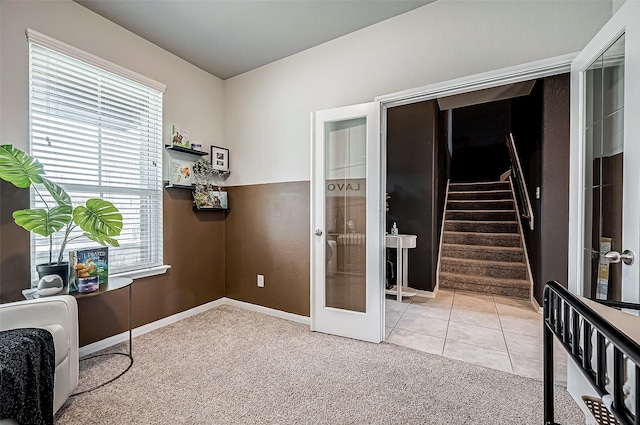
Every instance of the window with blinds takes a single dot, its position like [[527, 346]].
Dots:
[[99, 135]]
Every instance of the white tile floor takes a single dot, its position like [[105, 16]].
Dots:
[[490, 330]]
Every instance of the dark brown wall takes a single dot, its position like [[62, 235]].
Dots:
[[14, 244], [526, 126], [193, 246], [541, 131], [412, 164], [555, 183], [268, 232]]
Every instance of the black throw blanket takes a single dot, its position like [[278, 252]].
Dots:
[[27, 367]]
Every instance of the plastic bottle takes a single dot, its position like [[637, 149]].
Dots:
[[394, 229]]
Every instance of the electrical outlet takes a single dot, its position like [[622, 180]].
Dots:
[[261, 280]]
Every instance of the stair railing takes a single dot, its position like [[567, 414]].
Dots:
[[520, 183]]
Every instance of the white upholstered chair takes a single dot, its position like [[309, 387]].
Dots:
[[59, 315]]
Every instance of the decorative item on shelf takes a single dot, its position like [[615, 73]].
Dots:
[[219, 199], [196, 146], [50, 285], [99, 219], [180, 172], [206, 178], [85, 264], [179, 137], [220, 158]]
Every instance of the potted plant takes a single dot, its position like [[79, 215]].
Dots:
[[99, 219]]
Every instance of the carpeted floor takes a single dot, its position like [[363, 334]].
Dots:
[[232, 366]]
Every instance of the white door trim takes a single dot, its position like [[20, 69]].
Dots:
[[499, 77], [515, 74]]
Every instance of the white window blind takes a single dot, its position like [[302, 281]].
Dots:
[[99, 135]]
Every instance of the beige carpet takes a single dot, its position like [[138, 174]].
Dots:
[[232, 366]]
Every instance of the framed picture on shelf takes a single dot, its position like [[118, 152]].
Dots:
[[202, 199], [180, 137], [180, 172], [219, 199], [220, 158]]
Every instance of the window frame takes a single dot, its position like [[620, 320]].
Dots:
[[154, 249]]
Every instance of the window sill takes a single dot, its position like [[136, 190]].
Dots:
[[137, 274]]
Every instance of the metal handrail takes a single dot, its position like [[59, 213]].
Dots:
[[527, 209], [573, 323]]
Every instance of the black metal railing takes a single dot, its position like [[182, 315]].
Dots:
[[519, 181], [576, 325]]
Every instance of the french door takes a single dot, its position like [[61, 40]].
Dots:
[[604, 238], [605, 137], [347, 240]]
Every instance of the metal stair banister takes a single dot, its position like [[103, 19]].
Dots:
[[518, 176]]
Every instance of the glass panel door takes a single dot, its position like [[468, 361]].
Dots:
[[604, 170], [604, 207], [347, 242], [346, 219]]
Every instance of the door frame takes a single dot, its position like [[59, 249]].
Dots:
[[515, 74]]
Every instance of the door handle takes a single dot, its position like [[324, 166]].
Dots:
[[318, 232], [626, 257]]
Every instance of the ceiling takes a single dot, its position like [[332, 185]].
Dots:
[[230, 37]]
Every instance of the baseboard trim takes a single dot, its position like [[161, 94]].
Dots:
[[124, 336], [425, 294], [270, 311]]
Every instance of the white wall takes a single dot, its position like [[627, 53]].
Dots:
[[267, 111], [193, 99]]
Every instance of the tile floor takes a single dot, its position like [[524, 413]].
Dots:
[[490, 330]]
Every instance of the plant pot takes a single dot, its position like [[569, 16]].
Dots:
[[61, 270]]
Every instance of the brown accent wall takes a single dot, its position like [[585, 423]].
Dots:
[[14, 244], [193, 246], [413, 161], [554, 213], [268, 232]]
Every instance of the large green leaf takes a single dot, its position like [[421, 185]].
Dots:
[[44, 222], [99, 218], [58, 193], [18, 167], [101, 239]]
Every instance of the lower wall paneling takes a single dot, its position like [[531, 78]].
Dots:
[[267, 232], [14, 244], [193, 246]]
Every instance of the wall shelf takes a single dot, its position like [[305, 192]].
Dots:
[[209, 209], [185, 150], [179, 186]]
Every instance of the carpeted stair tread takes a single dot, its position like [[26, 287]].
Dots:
[[481, 194], [476, 238], [482, 204], [482, 248], [518, 288], [483, 215], [498, 269], [481, 226], [499, 185], [483, 252]]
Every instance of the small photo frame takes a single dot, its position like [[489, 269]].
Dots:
[[220, 158], [179, 137], [219, 199]]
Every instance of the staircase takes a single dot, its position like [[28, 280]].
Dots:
[[482, 248]]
